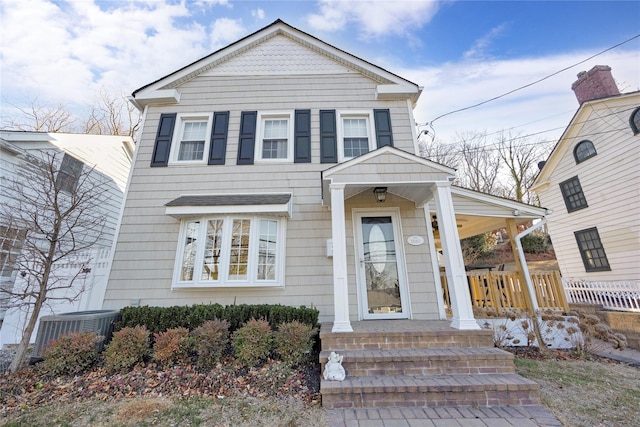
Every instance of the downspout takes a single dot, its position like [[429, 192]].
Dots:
[[523, 262]]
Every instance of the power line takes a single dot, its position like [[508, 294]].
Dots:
[[531, 84], [597, 118]]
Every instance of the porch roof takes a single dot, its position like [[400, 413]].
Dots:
[[404, 174], [413, 178]]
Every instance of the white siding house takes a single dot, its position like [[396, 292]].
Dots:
[[110, 157], [591, 181], [256, 180]]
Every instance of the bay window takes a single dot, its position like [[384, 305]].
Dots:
[[230, 251]]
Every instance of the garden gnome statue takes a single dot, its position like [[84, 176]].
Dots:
[[333, 370]]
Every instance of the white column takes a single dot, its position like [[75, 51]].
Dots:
[[454, 263], [341, 321]]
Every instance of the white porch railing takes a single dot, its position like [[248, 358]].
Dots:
[[622, 296]]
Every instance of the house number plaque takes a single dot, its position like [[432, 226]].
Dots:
[[415, 240]]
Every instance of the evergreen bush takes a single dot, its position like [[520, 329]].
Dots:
[[128, 347], [70, 354]]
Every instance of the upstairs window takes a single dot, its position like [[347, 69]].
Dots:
[[356, 135], [584, 150], [274, 137], [634, 121], [591, 250], [69, 174], [191, 139], [572, 194], [194, 135], [231, 251]]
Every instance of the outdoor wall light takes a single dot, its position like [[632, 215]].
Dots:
[[381, 194]]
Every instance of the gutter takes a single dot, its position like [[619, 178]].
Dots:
[[523, 262]]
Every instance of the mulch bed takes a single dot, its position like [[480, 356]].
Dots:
[[29, 387]]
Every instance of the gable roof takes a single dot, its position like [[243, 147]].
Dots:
[[163, 90], [567, 139]]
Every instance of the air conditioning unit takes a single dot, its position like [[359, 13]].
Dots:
[[101, 322]]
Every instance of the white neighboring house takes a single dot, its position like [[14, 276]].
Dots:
[[111, 157], [591, 181]]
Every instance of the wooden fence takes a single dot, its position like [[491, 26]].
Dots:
[[621, 296], [504, 289]]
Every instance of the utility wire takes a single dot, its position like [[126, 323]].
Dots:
[[597, 118], [533, 83]]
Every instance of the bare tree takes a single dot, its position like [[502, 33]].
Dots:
[[520, 158], [39, 117], [56, 200], [109, 115], [445, 154], [112, 115], [479, 163]]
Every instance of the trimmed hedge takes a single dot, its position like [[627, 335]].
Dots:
[[159, 319]]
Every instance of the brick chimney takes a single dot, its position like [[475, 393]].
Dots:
[[595, 84]]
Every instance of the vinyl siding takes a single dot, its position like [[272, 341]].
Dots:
[[145, 253], [611, 184]]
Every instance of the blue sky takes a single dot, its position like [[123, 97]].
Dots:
[[461, 52]]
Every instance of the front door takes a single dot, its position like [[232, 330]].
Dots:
[[380, 265]]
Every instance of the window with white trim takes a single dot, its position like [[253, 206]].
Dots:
[[274, 137], [191, 138], [230, 251], [356, 134]]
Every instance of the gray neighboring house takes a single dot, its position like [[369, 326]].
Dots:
[[283, 170]]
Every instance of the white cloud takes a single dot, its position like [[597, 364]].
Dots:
[[225, 31], [258, 13], [479, 48], [545, 107], [373, 18]]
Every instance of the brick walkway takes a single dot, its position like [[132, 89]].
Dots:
[[504, 416]]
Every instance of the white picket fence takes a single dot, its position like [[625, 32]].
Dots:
[[621, 296]]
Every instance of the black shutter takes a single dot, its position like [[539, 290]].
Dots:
[[384, 136], [302, 137], [218, 149], [162, 147], [328, 137], [247, 138]]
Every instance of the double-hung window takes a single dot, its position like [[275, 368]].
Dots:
[[226, 250], [192, 138], [355, 134], [591, 250], [572, 194], [274, 137]]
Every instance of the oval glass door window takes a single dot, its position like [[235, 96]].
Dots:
[[377, 248]]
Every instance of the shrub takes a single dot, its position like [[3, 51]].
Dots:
[[535, 243], [210, 341], [159, 319], [252, 342], [128, 347], [172, 346], [292, 341], [475, 247], [70, 354]]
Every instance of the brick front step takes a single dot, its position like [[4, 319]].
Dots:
[[377, 340], [430, 391], [424, 361]]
